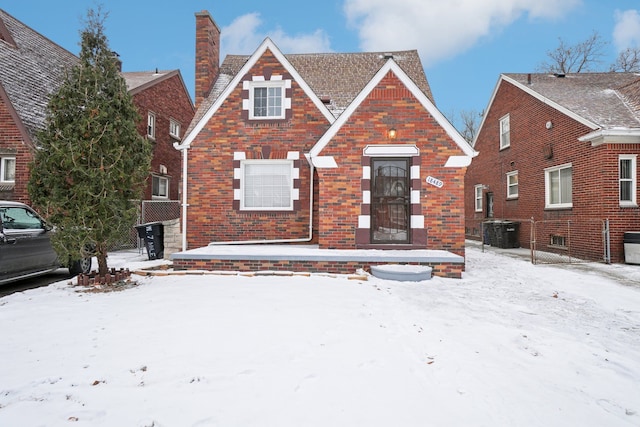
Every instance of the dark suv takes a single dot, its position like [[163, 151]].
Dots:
[[25, 246]]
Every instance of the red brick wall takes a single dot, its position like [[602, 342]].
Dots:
[[392, 105], [168, 100], [11, 142], [211, 213], [207, 54], [449, 270], [595, 169]]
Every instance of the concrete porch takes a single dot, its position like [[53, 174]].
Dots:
[[309, 258]]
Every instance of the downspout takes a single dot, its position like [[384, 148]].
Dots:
[[299, 240], [184, 193]]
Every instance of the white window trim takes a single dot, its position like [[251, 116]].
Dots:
[[3, 166], [478, 197], [505, 121], [509, 185], [151, 125], [268, 84], [292, 192], [174, 128], [166, 180], [634, 180], [547, 187]]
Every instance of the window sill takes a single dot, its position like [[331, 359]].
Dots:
[[558, 208], [628, 205]]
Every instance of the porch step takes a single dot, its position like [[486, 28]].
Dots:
[[402, 273]]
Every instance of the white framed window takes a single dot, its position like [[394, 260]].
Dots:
[[7, 169], [478, 197], [174, 128], [512, 185], [151, 125], [505, 132], [160, 187], [557, 184], [267, 99], [266, 185], [627, 179]]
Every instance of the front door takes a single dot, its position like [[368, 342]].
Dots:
[[390, 200], [489, 205]]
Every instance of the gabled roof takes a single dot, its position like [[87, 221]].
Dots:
[[427, 103], [31, 68], [332, 79], [137, 81], [601, 101]]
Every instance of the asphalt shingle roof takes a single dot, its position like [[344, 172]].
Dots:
[[610, 100], [337, 77], [30, 71]]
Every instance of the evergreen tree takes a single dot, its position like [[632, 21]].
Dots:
[[91, 163]]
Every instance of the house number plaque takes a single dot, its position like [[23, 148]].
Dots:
[[435, 182]]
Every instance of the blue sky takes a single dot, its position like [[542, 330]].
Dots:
[[464, 44]]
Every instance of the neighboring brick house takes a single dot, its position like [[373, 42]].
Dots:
[[166, 109], [559, 149], [347, 151], [32, 67]]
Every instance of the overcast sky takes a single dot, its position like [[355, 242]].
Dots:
[[464, 44]]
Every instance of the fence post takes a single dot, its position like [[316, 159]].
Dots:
[[607, 242], [532, 240]]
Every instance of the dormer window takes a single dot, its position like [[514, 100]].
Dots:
[[267, 99]]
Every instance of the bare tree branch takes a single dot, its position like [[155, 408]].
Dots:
[[581, 57], [628, 61]]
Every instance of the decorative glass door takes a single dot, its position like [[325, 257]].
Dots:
[[390, 200]]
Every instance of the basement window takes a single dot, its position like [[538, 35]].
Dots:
[[558, 241]]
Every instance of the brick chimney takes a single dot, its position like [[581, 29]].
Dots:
[[207, 55]]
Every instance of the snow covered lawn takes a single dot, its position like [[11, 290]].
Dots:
[[511, 344]]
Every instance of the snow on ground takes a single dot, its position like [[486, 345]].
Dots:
[[510, 344]]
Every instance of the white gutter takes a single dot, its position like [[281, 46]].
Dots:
[[299, 240], [184, 149]]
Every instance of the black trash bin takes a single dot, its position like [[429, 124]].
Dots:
[[502, 234], [511, 234], [153, 235], [489, 232]]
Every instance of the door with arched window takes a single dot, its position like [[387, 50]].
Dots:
[[390, 200]]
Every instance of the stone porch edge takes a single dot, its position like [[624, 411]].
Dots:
[[311, 253]]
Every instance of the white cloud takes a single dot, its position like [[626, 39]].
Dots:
[[440, 29], [244, 35], [626, 32]]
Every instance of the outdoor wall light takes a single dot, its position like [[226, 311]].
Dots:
[[392, 133]]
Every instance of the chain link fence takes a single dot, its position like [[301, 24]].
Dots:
[[550, 241], [148, 211], [571, 241]]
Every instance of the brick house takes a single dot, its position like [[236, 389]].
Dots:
[[166, 110], [345, 151], [560, 149], [32, 67]]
